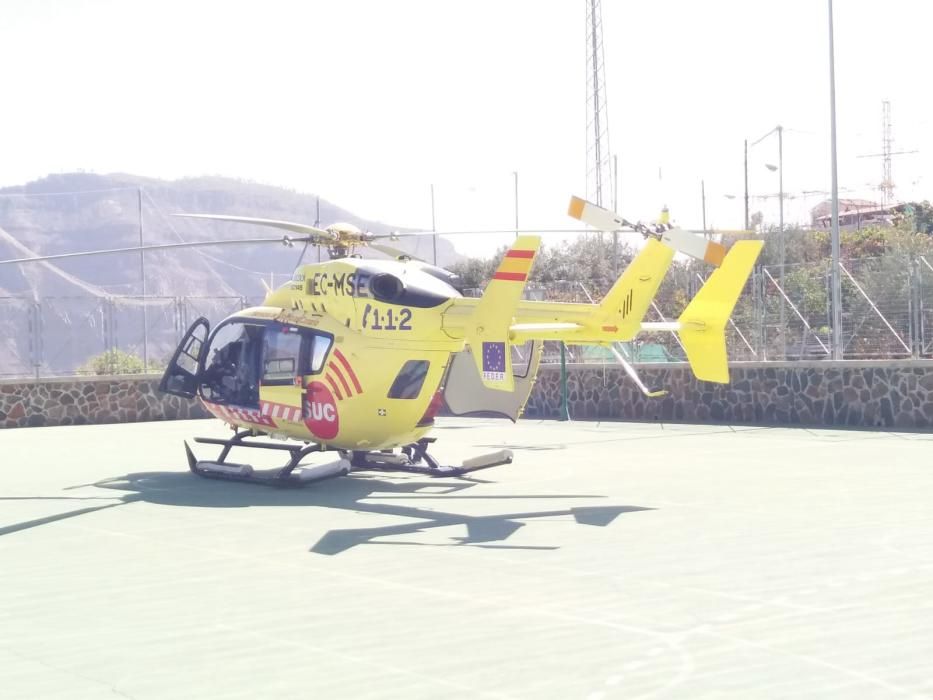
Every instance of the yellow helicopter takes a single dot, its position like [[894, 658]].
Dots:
[[358, 355]]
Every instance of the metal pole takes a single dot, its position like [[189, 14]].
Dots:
[[746, 184], [615, 207], [912, 306], [780, 133], [836, 280], [142, 276], [317, 224], [35, 314], [564, 402], [433, 225], [615, 183], [703, 197], [596, 112], [515, 173]]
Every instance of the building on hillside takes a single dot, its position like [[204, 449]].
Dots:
[[854, 214]]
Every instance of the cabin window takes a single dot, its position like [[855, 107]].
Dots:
[[410, 379], [231, 368], [281, 355]]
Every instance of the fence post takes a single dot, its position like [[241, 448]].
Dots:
[[110, 335], [913, 307], [760, 312], [564, 399], [921, 329], [34, 320]]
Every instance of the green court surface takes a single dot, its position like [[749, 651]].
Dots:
[[610, 560]]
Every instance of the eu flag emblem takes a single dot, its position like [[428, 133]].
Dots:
[[494, 361]]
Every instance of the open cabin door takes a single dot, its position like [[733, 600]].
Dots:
[[181, 377], [291, 387], [465, 393], [285, 358]]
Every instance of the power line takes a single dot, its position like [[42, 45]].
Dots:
[[66, 194]]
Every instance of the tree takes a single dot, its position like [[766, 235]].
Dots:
[[117, 361]]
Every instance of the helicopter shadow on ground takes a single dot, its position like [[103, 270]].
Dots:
[[174, 488]]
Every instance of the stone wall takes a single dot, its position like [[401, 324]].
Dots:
[[873, 394], [75, 401], [881, 394]]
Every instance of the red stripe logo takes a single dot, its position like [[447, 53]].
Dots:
[[333, 386], [520, 254], [350, 372], [343, 382]]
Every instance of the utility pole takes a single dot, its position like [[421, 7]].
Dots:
[[515, 174], [142, 277], [887, 144], [317, 224], [836, 281], [615, 208], [703, 197], [746, 185], [434, 226], [780, 170], [780, 132], [597, 121]]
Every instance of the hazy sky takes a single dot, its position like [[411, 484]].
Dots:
[[368, 103]]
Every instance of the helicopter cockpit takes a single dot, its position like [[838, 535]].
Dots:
[[244, 354], [231, 365]]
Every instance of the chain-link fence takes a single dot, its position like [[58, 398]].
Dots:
[[60, 336], [785, 314], [782, 314]]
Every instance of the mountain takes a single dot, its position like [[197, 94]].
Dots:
[[81, 211]]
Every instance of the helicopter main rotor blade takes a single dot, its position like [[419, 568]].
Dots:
[[520, 232], [285, 240], [324, 237], [394, 252]]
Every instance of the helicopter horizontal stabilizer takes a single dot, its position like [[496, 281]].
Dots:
[[489, 327], [703, 322]]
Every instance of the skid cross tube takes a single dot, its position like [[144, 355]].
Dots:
[[282, 475], [412, 458]]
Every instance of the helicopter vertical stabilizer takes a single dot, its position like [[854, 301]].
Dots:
[[626, 304], [703, 322], [488, 328]]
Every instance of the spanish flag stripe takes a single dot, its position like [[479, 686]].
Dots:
[[515, 265], [511, 276], [515, 253]]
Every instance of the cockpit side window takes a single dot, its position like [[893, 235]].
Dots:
[[290, 352], [320, 345], [281, 355]]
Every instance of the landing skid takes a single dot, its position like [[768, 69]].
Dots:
[[414, 458], [289, 475]]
